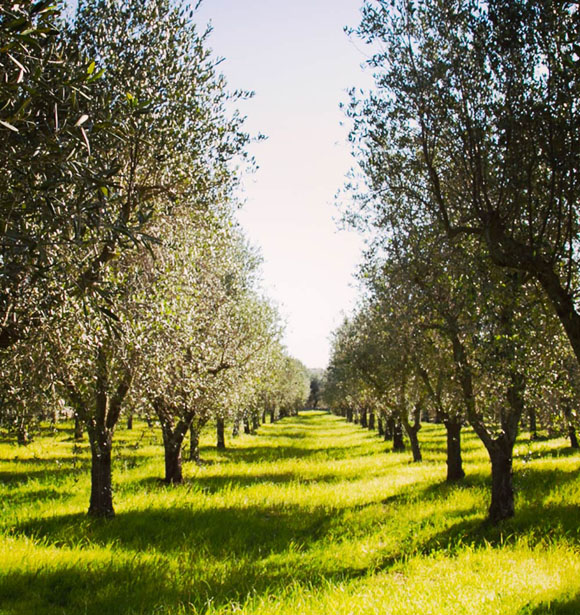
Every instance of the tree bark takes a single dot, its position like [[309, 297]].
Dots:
[[100, 423], [380, 427], [101, 502], [256, 422], [22, 434], [363, 418], [572, 436], [389, 428], [454, 461], [398, 443], [236, 428], [175, 423], [78, 431], [173, 437], [570, 425], [500, 451], [371, 420], [247, 428], [173, 464], [563, 303], [194, 443], [221, 436], [349, 417], [412, 431], [130, 422], [533, 423], [502, 490]]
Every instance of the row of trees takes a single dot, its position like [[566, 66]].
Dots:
[[468, 190], [125, 282]]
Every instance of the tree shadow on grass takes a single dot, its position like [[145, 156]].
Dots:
[[251, 549], [243, 530], [223, 532], [92, 588], [541, 481], [263, 551], [217, 484], [259, 548], [568, 605], [529, 483], [534, 518], [567, 451], [263, 453], [127, 584], [537, 518], [38, 495], [59, 470], [15, 479], [535, 523], [435, 444]]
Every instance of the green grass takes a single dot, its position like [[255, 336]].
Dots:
[[313, 515]]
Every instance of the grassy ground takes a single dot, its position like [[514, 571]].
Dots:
[[310, 516]]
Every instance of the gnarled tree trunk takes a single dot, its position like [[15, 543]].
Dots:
[[100, 427], [380, 427], [502, 489], [194, 443], [101, 502], [78, 429], [454, 461], [221, 434], [570, 425], [500, 449], [236, 428], [22, 434], [398, 442], [533, 423], [175, 423], [363, 418], [412, 431], [572, 436], [173, 463], [173, 436], [389, 428]]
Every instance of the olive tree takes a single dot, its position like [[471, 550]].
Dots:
[[475, 118], [169, 146], [203, 326], [47, 190]]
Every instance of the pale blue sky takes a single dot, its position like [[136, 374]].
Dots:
[[299, 62]]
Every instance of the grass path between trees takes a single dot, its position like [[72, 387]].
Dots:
[[312, 515]]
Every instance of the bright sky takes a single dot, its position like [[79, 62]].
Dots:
[[299, 62]]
